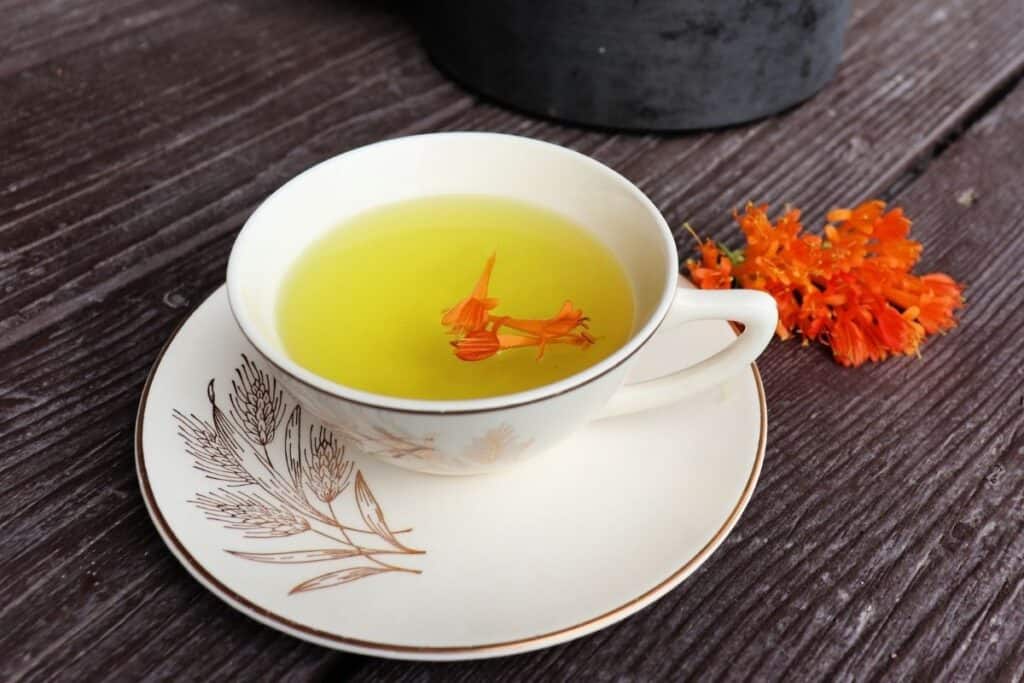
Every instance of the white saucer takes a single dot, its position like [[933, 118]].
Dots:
[[560, 547]]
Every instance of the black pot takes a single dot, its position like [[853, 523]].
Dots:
[[640, 64]]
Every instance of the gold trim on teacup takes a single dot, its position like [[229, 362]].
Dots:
[[317, 636]]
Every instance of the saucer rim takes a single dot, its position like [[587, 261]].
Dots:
[[421, 652]]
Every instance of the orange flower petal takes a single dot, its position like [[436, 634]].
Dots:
[[479, 331], [565, 321], [838, 215], [471, 313], [852, 288]]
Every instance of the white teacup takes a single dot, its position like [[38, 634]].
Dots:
[[480, 435]]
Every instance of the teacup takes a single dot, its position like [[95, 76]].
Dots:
[[481, 435]]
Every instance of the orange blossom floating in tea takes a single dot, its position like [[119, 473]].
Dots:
[[471, 313], [480, 334], [850, 289]]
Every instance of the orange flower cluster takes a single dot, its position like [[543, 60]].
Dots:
[[479, 333], [850, 288]]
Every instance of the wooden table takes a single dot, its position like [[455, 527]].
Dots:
[[886, 537]]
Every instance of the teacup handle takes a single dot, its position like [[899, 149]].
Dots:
[[759, 315]]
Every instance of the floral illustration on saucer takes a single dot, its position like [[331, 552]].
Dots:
[[273, 489]]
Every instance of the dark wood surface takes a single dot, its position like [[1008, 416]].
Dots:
[[886, 538]]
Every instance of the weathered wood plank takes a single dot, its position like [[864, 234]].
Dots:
[[886, 539], [117, 605], [137, 137], [257, 155]]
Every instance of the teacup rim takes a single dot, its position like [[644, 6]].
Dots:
[[280, 360]]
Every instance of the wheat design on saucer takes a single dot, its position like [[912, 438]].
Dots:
[[269, 490]]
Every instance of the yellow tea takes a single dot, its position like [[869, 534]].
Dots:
[[363, 306]]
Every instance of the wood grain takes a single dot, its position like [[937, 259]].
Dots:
[[885, 540], [885, 537]]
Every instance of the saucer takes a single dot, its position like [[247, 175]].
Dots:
[[271, 513]]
